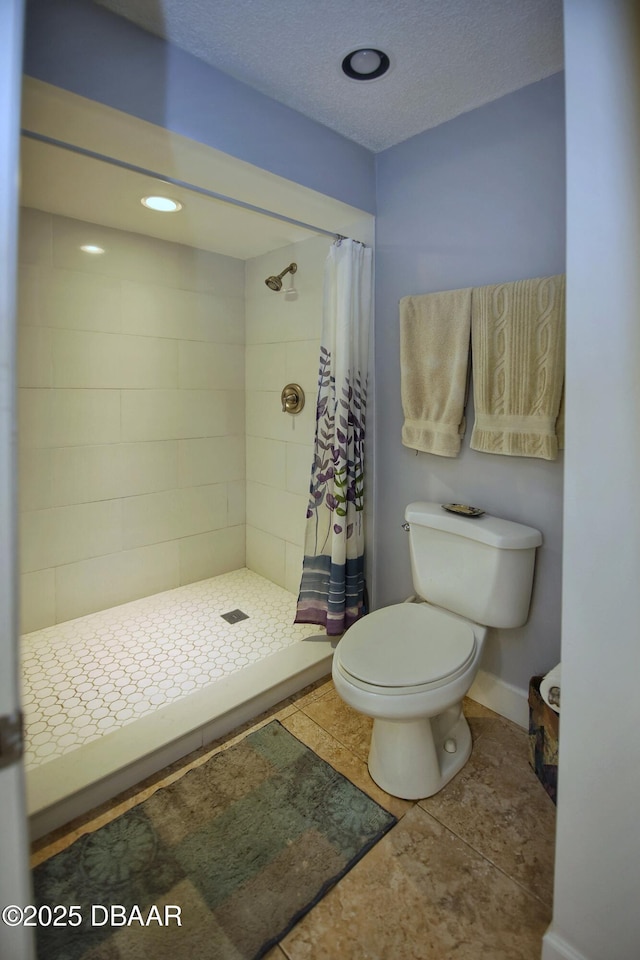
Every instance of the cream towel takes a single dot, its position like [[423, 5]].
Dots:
[[434, 360], [517, 335]]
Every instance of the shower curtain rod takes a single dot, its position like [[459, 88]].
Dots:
[[174, 181]]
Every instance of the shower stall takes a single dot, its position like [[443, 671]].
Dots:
[[163, 480]]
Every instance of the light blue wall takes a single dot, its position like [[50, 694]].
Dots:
[[478, 200], [83, 48]]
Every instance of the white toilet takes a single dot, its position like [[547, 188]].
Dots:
[[410, 664]]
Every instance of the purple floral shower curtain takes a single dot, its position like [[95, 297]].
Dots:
[[332, 590]]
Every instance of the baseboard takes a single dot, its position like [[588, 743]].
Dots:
[[502, 697], [555, 948]]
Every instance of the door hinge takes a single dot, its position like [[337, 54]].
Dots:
[[11, 738]]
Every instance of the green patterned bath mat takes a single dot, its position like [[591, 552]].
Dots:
[[219, 865]]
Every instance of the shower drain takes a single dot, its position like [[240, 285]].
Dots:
[[234, 616]]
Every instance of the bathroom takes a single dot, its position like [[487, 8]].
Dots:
[[514, 149]]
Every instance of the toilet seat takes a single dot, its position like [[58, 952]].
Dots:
[[405, 648]]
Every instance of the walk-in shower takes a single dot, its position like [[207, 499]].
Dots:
[[162, 491]]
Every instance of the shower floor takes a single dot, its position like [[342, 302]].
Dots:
[[123, 691]]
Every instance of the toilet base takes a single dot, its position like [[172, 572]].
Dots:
[[408, 759]]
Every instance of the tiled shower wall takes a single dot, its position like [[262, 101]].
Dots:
[[283, 344], [131, 417]]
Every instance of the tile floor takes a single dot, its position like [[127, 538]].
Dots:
[[465, 874], [88, 677]]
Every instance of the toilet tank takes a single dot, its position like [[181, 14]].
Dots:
[[478, 567]]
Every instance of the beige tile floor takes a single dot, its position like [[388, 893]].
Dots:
[[466, 874]]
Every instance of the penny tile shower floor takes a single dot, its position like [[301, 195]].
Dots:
[[89, 676]]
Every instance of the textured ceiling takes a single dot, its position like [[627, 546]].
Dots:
[[447, 56]]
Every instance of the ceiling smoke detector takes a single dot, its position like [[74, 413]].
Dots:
[[365, 63]]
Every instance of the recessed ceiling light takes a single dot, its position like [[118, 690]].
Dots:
[[163, 204], [91, 248], [365, 63]]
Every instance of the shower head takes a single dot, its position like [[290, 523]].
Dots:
[[275, 283]]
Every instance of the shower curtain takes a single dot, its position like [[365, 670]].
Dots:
[[332, 589]]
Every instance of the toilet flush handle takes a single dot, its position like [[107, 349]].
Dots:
[[405, 527]]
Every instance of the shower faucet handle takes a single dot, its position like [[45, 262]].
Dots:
[[292, 398]]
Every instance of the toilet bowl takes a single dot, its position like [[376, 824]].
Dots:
[[408, 666]]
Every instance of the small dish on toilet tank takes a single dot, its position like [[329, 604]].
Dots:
[[463, 509]]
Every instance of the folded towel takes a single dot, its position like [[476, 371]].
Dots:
[[434, 360], [517, 335]]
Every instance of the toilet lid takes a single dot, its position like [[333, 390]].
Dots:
[[406, 644]]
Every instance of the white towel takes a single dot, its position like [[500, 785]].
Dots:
[[517, 333], [434, 360]]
